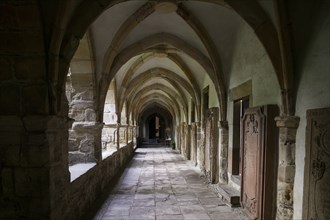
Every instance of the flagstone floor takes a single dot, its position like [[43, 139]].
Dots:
[[160, 184]]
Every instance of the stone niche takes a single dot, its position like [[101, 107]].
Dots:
[[317, 173], [259, 154]]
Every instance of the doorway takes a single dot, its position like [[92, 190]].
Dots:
[[156, 127], [240, 107]]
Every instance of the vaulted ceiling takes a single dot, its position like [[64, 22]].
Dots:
[[165, 52]]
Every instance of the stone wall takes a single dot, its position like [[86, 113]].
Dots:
[[85, 133], [311, 37], [85, 190], [34, 172], [109, 137]]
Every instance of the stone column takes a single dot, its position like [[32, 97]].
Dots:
[[118, 136], [193, 142], [178, 140], [127, 134], [134, 134], [200, 146], [34, 166], [182, 138], [188, 141], [223, 152], [118, 129], [85, 142], [97, 132], [286, 170]]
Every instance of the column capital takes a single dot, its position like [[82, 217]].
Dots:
[[287, 121]]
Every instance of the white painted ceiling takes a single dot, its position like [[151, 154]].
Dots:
[[217, 26]]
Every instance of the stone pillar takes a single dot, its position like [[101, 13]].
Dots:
[[182, 138], [177, 135], [200, 146], [134, 134], [118, 136], [193, 143], [97, 131], [223, 152], [59, 175], [85, 142], [188, 141], [286, 170], [34, 166], [118, 129]]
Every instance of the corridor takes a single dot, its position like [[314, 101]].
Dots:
[[160, 184]]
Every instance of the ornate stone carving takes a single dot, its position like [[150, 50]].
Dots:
[[259, 159], [317, 176], [211, 143], [193, 142], [252, 146], [318, 169]]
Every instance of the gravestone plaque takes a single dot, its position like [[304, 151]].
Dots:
[[207, 145], [317, 167], [193, 142], [259, 143], [211, 143]]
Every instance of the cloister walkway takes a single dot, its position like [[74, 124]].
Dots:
[[160, 184]]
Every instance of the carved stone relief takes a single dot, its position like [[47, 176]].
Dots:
[[317, 174], [211, 144], [193, 142], [252, 141], [259, 162]]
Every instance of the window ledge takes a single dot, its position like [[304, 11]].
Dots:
[[79, 169]]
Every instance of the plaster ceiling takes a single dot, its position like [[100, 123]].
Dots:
[[192, 45]]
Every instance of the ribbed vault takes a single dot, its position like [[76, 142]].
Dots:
[[135, 14], [179, 65]]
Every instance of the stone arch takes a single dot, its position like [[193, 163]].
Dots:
[[155, 43], [173, 57], [140, 94], [218, 77], [151, 109], [84, 136], [158, 86], [142, 13], [147, 44], [149, 101], [147, 127], [163, 98], [250, 11], [148, 108], [169, 76], [110, 119]]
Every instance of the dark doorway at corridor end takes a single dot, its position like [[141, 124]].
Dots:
[[155, 126]]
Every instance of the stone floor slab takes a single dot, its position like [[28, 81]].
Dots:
[[168, 210], [159, 184]]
